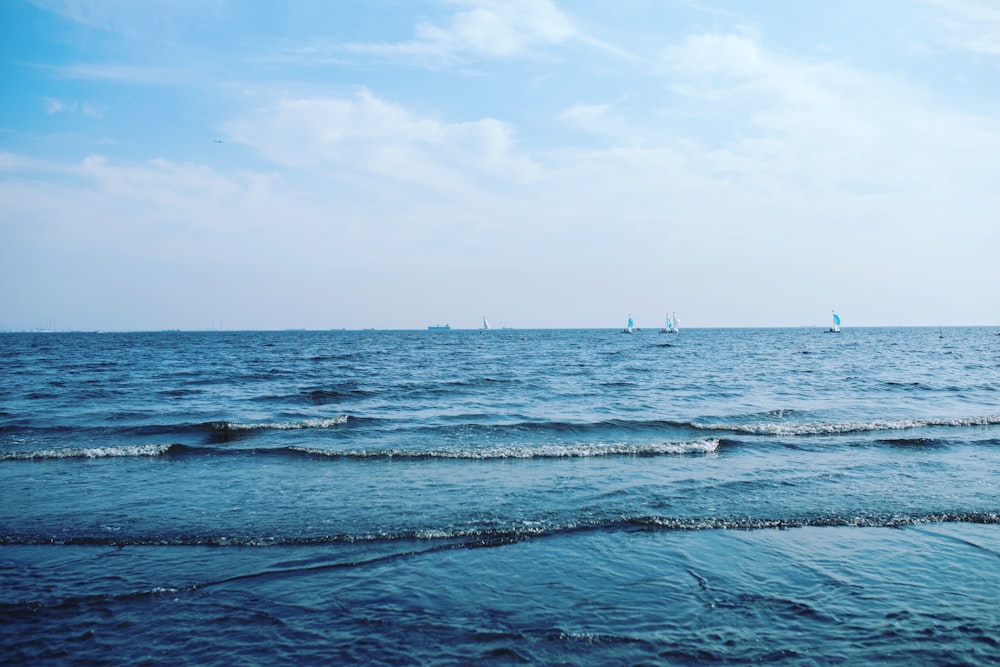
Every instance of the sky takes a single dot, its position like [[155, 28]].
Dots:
[[245, 164]]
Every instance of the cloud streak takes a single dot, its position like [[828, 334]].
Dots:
[[478, 30]]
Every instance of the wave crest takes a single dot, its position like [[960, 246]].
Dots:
[[89, 452], [322, 422], [832, 521], [838, 428], [706, 446], [477, 536]]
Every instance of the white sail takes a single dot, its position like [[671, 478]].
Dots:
[[486, 324]]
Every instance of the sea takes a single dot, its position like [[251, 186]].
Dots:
[[551, 497]]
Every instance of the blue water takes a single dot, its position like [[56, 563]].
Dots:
[[729, 496]]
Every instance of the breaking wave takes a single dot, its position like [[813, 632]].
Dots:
[[706, 446], [837, 428], [499, 535], [89, 452]]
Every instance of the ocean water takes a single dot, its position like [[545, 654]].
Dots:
[[782, 496]]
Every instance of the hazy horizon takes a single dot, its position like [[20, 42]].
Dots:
[[648, 329]]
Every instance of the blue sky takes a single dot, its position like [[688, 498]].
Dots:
[[394, 163]]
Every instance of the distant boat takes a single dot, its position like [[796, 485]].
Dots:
[[630, 326], [672, 326], [486, 324], [836, 323], [439, 327]]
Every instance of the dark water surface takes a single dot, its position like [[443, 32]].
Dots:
[[550, 497]]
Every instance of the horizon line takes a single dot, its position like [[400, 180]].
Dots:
[[494, 329]]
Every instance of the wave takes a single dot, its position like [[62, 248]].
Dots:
[[90, 452], [779, 423], [496, 536], [321, 396], [911, 442], [706, 446], [337, 393], [176, 429], [773, 423], [588, 439], [322, 422], [839, 428], [832, 521], [522, 424]]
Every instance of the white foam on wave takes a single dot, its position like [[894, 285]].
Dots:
[[88, 452], [873, 520], [836, 428], [328, 422], [706, 446]]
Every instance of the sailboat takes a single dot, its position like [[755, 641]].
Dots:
[[486, 324], [628, 328], [671, 326], [836, 323]]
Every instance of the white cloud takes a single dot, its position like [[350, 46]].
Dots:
[[136, 20], [586, 115], [12, 161], [92, 111], [383, 139], [54, 106], [733, 56], [159, 180], [126, 74], [969, 25], [478, 29], [105, 15], [58, 106], [155, 208], [498, 28], [814, 124]]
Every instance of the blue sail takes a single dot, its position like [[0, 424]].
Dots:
[[836, 319]]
